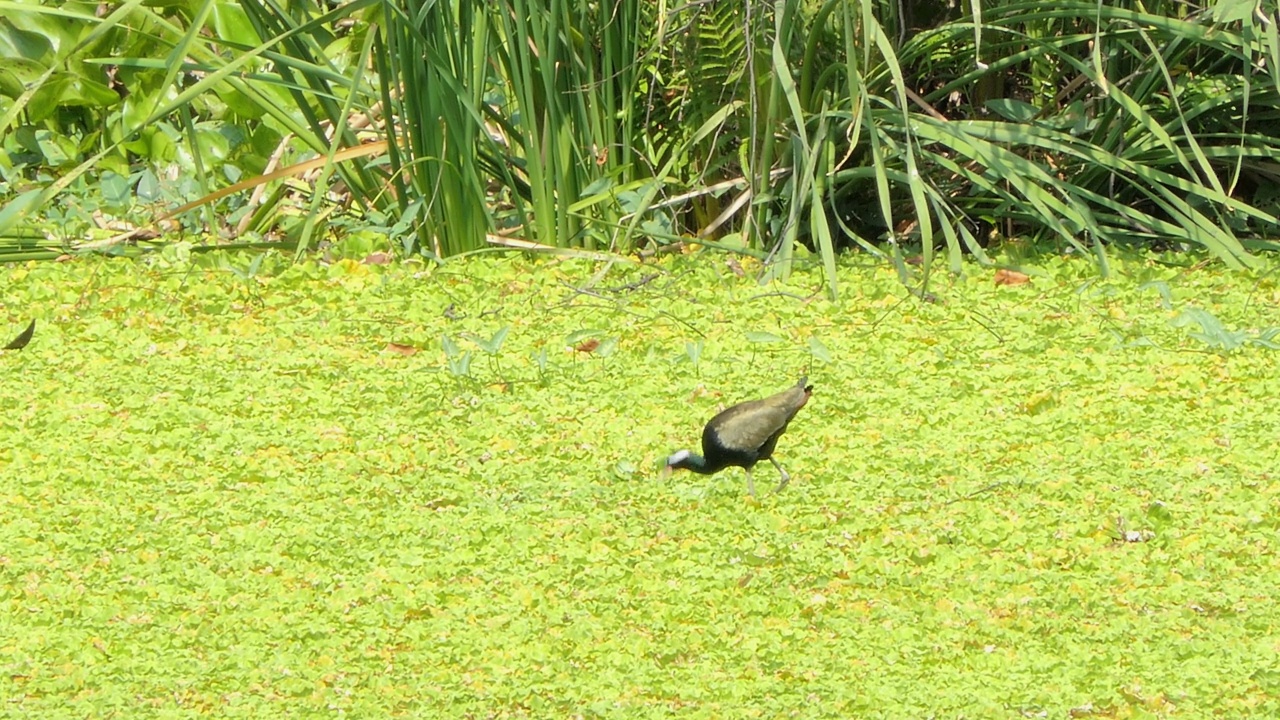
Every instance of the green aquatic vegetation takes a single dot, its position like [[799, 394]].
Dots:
[[283, 494]]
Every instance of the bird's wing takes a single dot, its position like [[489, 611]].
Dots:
[[751, 424], [23, 338]]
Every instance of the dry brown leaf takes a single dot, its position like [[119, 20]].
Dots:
[[1011, 277], [377, 258], [400, 349], [587, 346]]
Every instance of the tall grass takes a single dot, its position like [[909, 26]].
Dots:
[[1134, 128], [628, 126], [432, 71]]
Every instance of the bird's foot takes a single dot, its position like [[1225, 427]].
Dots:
[[783, 483]]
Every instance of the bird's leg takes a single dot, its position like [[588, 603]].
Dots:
[[785, 477], [751, 486]]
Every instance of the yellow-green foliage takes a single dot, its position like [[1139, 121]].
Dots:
[[228, 494]]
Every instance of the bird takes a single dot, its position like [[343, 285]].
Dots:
[[742, 435], [23, 338]]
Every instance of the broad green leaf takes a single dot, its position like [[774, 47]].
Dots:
[[818, 349], [17, 210], [1010, 109], [449, 346]]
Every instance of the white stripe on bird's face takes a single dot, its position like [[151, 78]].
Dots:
[[677, 456]]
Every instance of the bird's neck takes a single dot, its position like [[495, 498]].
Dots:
[[698, 464]]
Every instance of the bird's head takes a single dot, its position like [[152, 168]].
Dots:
[[678, 459]]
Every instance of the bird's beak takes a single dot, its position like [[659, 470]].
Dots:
[[666, 472]]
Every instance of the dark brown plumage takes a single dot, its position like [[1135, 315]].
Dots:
[[745, 434], [23, 338]]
